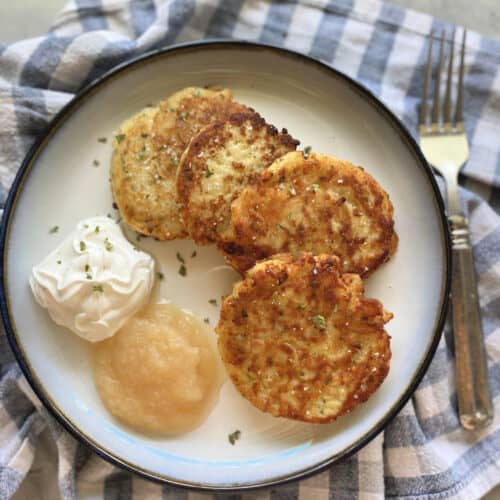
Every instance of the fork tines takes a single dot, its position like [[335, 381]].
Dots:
[[441, 115]]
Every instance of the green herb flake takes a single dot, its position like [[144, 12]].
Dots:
[[234, 436], [102, 140], [87, 268], [319, 321], [59, 261], [206, 320], [97, 229], [213, 302], [174, 160], [96, 163], [89, 276], [301, 306], [160, 275], [119, 138], [86, 226], [182, 270], [98, 288], [184, 115], [289, 216], [83, 246], [307, 150], [280, 227], [180, 258], [314, 187], [292, 190], [193, 255], [108, 245], [53, 229], [208, 172], [197, 93]]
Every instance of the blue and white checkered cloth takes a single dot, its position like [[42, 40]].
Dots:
[[424, 452]]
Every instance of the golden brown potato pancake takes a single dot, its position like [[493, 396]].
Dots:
[[219, 162], [144, 195], [300, 340], [313, 203]]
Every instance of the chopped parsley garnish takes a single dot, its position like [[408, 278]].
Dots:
[[208, 172], [234, 436], [193, 255], [160, 275], [87, 268], [59, 261], [83, 246], [206, 320], [182, 270], [280, 227], [301, 306], [289, 216], [102, 140], [108, 245], [96, 163], [307, 150], [53, 229], [149, 105], [174, 160], [89, 276], [319, 321], [97, 229], [180, 258], [115, 206], [119, 138], [98, 288], [213, 302], [314, 187], [144, 136], [292, 190], [183, 115]]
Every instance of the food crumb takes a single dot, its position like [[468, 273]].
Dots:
[[53, 229], [182, 270], [102, 140]]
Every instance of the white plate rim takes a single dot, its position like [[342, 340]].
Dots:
[[72, 107]]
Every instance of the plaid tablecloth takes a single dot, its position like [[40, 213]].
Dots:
[[424, 452]]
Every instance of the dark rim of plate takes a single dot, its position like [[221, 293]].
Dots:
[[59, 119]]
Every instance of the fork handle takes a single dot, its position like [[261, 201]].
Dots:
[[475, 407]]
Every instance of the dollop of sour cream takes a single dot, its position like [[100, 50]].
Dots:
[[94, 281]]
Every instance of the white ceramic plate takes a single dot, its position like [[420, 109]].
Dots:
[[58, 185]]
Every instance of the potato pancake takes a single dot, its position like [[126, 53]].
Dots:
[[300, 340], [144, 195], [314, 203], [219, 162]]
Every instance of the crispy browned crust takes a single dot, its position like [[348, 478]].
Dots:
[[183, 114], [300, 340], [316, 203], [218, 163]]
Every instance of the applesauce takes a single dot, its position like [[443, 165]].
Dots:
[[161, 372]]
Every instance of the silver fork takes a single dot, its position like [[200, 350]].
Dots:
[[445, 146]]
